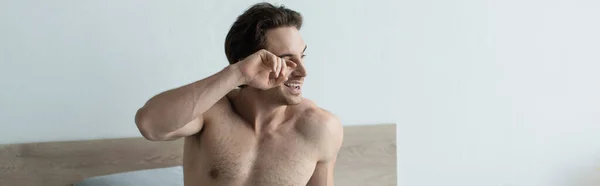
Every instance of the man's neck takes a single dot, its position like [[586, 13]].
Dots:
[[259, 111]]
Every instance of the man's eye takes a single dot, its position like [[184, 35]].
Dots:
[[303, 56]]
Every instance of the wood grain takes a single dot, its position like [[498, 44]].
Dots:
[[368, 157]]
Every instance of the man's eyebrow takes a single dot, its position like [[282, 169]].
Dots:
[[290, 55]]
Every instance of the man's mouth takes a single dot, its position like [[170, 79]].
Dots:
[[295, 86]]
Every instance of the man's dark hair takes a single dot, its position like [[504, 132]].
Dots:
[[247, 34]]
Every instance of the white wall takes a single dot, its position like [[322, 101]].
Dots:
[[499, 93], [75, 70]]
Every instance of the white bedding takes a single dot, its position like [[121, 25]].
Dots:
[[170, 176]]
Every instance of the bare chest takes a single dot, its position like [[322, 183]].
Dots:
[[233, 154]]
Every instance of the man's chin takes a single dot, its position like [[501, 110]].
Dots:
[[294, 100]]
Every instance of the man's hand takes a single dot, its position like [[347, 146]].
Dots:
[[264, 70]]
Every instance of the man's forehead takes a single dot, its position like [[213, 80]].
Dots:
[[284, 40]]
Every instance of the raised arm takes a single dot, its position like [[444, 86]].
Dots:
[[179, 112]]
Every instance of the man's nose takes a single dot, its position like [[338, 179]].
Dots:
[[300, 70]]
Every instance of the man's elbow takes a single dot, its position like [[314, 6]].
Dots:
[[149, 135], [144, 125]]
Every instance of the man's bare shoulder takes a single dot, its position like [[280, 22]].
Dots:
[[315, 114], [316, 121], [323, 128]]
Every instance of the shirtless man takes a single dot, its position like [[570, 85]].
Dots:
[[248, 123]]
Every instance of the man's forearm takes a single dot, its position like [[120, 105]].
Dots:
[[172, 109]]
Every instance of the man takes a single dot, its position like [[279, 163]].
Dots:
[[248, 123]]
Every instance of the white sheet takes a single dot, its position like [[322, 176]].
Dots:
[[170, 176]]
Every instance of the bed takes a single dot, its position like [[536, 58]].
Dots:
[[367, 157]]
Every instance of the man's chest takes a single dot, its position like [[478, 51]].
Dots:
[[237, 153]]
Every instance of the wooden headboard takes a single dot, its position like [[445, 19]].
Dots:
[[368, 157]]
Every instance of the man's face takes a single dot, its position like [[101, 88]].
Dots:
[[287, 43]]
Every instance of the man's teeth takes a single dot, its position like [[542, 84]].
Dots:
[[292, 84]]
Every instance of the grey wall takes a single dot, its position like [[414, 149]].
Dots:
[[75, 70], [499, 93]]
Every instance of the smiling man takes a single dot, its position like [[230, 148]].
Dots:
[[248, 124]]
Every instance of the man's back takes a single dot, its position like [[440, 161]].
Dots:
[[229, 151]]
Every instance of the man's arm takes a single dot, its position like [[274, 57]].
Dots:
[[178, 112], [331, 143]]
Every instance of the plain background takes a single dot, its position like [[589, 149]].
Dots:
[[73, 70], [499, 93]]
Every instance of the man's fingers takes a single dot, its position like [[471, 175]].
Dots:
[[278, 72], [290, 64], [280, 66], [276, 61], [277, 81], [273, 64], [280, 80], [284, 68]]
